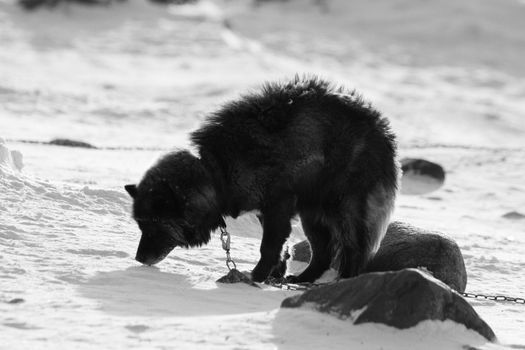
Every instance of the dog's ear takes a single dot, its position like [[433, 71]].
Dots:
[[132, 190]]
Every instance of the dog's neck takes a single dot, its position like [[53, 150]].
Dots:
[[217, 174]]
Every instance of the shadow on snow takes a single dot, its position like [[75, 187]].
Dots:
[[146, 291]]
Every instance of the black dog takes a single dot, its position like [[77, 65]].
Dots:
[[301, 147]]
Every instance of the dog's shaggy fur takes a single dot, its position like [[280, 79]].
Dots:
[[302, 147]]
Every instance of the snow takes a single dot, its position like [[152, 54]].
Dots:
[[10, 160], [449, 76]]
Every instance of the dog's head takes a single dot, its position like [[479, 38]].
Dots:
[[175, 205]]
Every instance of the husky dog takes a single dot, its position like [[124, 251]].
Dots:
[[301, 147]]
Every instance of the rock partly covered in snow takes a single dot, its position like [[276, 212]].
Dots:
[[421, 176], [406, 246], [399, 299]]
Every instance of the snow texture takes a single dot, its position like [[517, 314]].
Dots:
[[449, 75]]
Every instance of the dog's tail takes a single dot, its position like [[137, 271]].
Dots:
[[380, 206], [358, 238]]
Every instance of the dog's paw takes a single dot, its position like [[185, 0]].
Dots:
[[259, 274], [261, 271], [258, 277], [278, 271], [291, 279]]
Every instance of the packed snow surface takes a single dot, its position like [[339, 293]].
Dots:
[[133, 79]]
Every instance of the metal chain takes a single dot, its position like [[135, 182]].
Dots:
[[292, 286], [225, 239], [282, 284], [494, 297], [307, 286]]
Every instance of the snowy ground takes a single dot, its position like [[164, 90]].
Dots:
[[450, 77]]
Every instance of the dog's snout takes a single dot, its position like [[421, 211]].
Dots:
[[147, 259]]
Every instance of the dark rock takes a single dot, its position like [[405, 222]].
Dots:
[[263, 1], [138, 328], [70, 143], [236, 276], [16, 301], [399, 299], [423, 167], [421, 176], [301, 252], [34, 4], [406, 246], [174, 2], [514, 215]]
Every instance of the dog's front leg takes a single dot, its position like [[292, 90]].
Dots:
[[276, 229]]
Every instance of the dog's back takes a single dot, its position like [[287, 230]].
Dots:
[[324, 147]]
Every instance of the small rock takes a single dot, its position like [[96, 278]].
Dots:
[[406, 246], [16, 301], [70, 143], [399, 299], [236, 276], [514, 215], [34, 4], [138, 328], [174, 2], [421, 176]]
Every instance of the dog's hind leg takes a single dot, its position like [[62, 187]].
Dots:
[[276, 229], [364, 224], [319, 237]]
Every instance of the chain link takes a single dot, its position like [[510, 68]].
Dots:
[[494, 297], [292, 286], [226, 242]]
